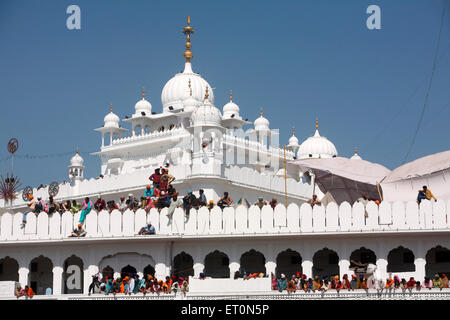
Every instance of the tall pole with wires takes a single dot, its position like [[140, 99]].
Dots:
[[285, 177], [428, 89]]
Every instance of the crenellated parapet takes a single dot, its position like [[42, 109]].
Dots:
[[305, 221]]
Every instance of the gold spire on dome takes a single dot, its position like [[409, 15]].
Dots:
[[260, 112], [356, 150], [293, 131], [143, 92], [231, 95], [76, 151], [188, 30], [111, 108], [206, 93], [317, 123]]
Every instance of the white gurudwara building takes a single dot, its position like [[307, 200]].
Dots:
[[218, 151]]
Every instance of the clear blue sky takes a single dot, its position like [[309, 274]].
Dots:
[[295, 59]]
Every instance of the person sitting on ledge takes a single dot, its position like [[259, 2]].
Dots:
[[313, 201], [346, 283], [100, 204], [174, 203], [78, 232], [66, 206], [202, 276], [444, 281], [147, 230], [171, 191], [31, 206], [19, 292], [428, 283], [29, 293], [291, 285], [273, 203], [85, 209], [389, 283], [75, 207], [260, 203], [202, 198], [411, 283], [163, 201], [437, 283], [122, 205], [53, 206], [237, 275], [111, 205], [425, 193], [210, 205], [225, 201], [189, 201], [282, 283]]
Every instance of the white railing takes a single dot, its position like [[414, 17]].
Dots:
[[423, 294], [396, 217], [149, 136]]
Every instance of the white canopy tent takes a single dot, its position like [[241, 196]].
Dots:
[[433, 171], [345, 179]]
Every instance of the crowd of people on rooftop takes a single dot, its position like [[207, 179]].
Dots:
[[162, 194], [300, 282]]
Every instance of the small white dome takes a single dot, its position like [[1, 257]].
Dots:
[[111, 120], [317, 147], [231, 109], [143, 106], [293, 141], [356, 156], [206, 115], [175, 91], [261, 123], [77, 160]]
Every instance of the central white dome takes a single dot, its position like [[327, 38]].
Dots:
[[317, 147], [176, 89]]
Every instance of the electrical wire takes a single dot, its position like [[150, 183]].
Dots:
[[433, 69]]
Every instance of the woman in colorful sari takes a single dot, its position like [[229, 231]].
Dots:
[[109, 286], [292, 285], [85, 209], [274, 281]]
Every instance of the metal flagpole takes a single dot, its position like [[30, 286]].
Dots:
[[285, 177]]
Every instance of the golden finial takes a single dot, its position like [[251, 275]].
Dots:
[[188, 30], [76, 151], [111, 108], [260, 112], [317, 123], [143, 92], [231, 95], [356, 150], [293, 131], [206, 93]]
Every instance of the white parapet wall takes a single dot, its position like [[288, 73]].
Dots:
[[7, 288], [386, 218], [229, 286]]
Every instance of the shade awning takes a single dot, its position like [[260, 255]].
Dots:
[[346, 179]]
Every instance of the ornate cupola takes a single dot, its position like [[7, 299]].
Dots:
[[174, 92], [111, 126], [317, 147]]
